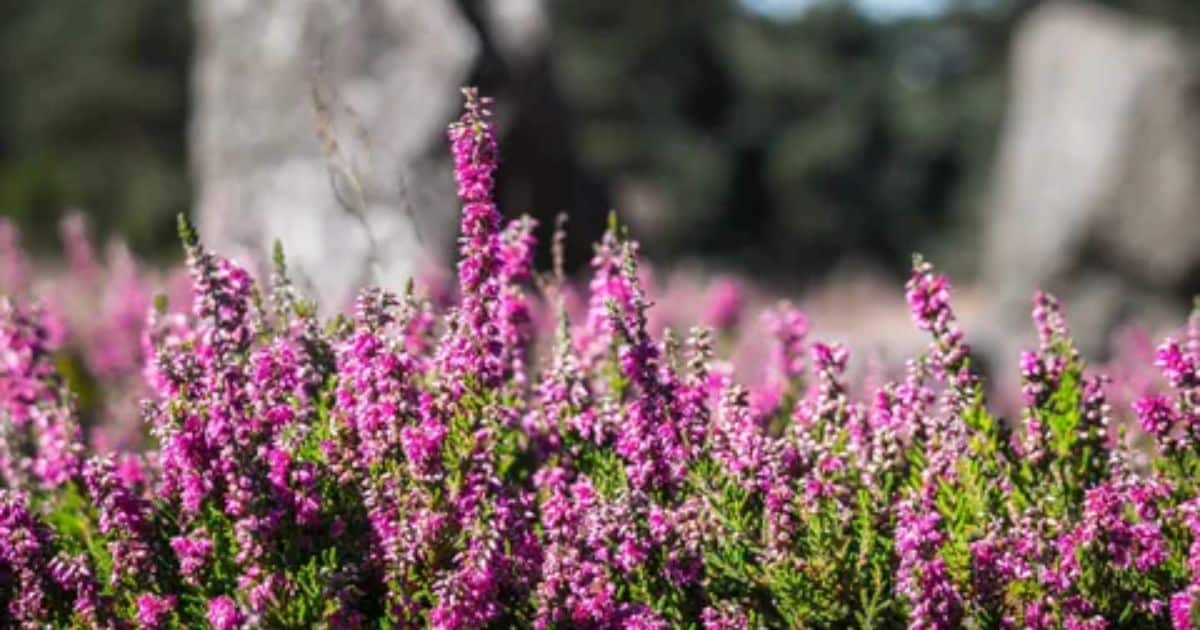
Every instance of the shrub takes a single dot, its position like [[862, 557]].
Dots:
[[408, 465]]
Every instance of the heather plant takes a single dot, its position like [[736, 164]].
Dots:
[[499, 456], [94, 314]]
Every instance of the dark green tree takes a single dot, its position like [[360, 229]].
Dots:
[[94, 113], [789, 144]]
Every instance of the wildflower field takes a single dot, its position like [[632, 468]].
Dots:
[[497, 457]]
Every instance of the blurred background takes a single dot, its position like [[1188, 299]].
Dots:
[[801, 143]]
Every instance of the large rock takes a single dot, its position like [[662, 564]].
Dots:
[[268, 155], [1097, 190]]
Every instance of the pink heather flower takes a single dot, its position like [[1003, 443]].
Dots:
[[223, 613], [1038, 616], [193, 553], [1183, 608], [696, 389], [1178, 366], [469, 595], [124, 516], [830, 358], [166, 370], [474, 350], [922, 576], [23, 550], [58, 446], [222, 301], [1095, 412], [1127, 543], [788, 326], [995, 563], [1048, 319], [153, 610], [75, 232], [563, 390], [26, 368], [259, 589], [736, 440], [724, 617], [639, 617], [650, 439], [928, 296], [376, 387], [422, 444], [14, 267], [44, 438], [436, 284], [513, 311], [609, 292], [517, 246], [113, 347], [725, 304], [131, 470], [1155, 415], [54, 321], [282, 382], [1040, 374], [73, 575]]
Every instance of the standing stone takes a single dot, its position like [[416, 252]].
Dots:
[[1097, 190], [321, 123]]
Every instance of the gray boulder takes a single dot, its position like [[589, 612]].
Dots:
[[321, 123], [1097, 188]]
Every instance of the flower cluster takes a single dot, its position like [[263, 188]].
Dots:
[[515, 458]]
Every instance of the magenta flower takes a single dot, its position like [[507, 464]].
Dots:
[[76, 237], [223, 613], [1155, 415], [928, 296], [788, 326], [154, 610], [1178, 366], [922, 577], [14, 268], [475, 350], [725, 303], [26, 369], [193, 553], [1183, 608]]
